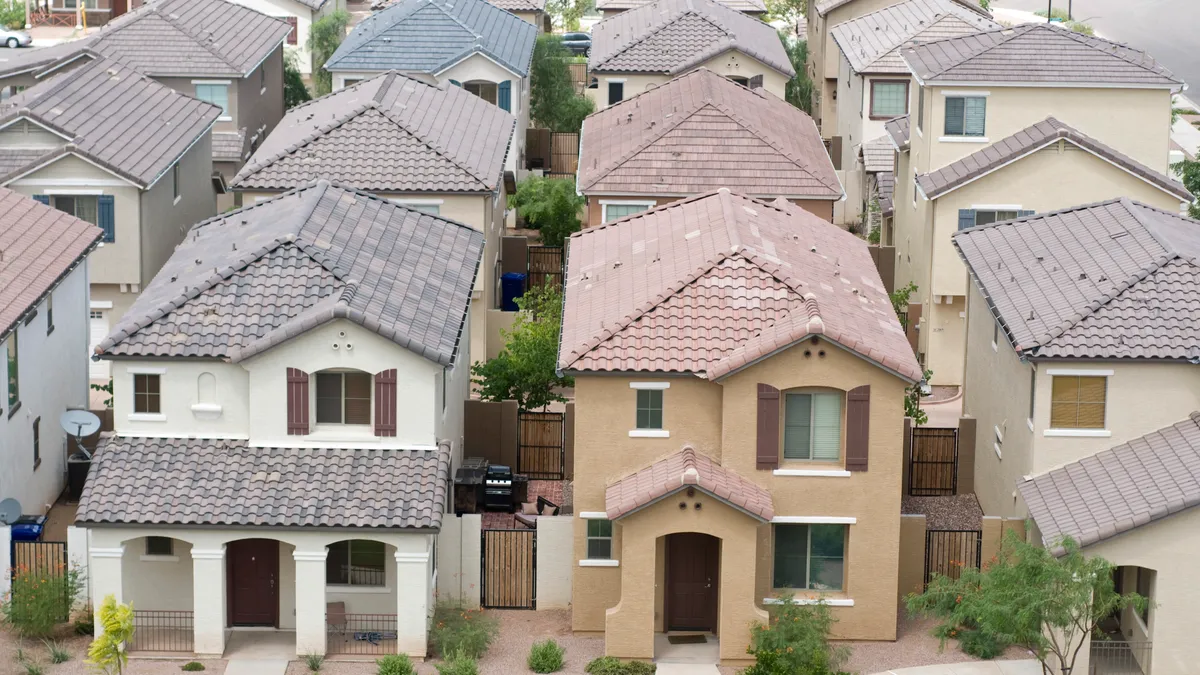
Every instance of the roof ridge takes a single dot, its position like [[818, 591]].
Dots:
[[1115, 49], [671, 126], [197, 39], [252, 168], [1023, 29], [653, 30], [759, 135], [455, 19], [441, 152], [730, 218]]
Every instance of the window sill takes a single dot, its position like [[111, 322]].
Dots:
[[649, 433], [337, 432], [224, 118], [360, 590], [1077, 433], [832, 602], [159, 558], [826, 473], [147, 417], [208, 411], [593, 515], [599, 563], [964, 139]]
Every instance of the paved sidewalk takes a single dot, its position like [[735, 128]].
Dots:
[[1022, 667], [686, 669]]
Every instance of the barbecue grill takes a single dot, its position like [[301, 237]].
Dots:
[[498, 487]]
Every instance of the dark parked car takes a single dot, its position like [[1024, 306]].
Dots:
[[577, 43]]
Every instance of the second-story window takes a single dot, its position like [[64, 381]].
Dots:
[[484, 90], [216, 94], [343, 398], [1078, 402], [889, 98], [966, 115], [616, 91], [649, 409], [14, 374], [812, 426], [147, 394]]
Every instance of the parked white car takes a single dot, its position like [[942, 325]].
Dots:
[[14, 38]]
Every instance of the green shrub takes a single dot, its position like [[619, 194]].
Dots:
[[549, 205], [12, 15], [294, 91], [611, 665], [192, 666], [980, 644], [796, 640], [85, 621], [40, 600], [459, 664], [57, 653], [546, 657], [314, 662], [462, 631], [395, 664]]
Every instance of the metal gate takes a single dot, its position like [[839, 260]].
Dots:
[[948, 552], [545, 266], [508, 569], [32, 559], [540, 445], [564, 154], [934, 464]]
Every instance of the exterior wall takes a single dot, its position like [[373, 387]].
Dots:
[[942, 328], [112, 300], [479, 67], [165, 222], [823, 56], [729, 63], [25, 134], [184, 412], [456, 381], [822, 208], [304, 19], [555, 561], [161, 582], [261, 107], [458, 548]]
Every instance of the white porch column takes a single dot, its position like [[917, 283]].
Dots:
[[310, 601], [208, 600], [412, 602], [5, 559], [106, 577], [78, 542]]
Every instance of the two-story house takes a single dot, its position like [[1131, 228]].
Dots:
[[739, 378], [43, 343], [999, 131], [450, 144], [873, 82], [300, 15], [111, 146], [697, 133], [532, 11], [479, 47], [646, 47], [611, 8], [292, 385]]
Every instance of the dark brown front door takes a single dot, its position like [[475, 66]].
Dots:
[[691, 602], [253, 595]]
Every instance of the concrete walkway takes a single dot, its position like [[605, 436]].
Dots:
[[685, 669], [1022, 667], [256, 667]]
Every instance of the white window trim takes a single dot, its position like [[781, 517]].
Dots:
[[815, 520], [996, 207], [649, 433], [621, 80], [599, 563], [224, 82], [605, 203], [964, 139], [996, 449], [147, 417], [593, 515], [1077, 433], [100, 304], [1079, 372], [358, 590], [955, 93], [819, 473], [206, 407], [832, 602], [158, 558], [1029, 423], [649, 385], [73, 191], [145, 370]]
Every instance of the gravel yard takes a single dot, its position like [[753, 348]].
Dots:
[[960, 512], [77, 645]]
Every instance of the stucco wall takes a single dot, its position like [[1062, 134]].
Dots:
[[942, 326], [261, 107], [458, 547], [187, 407], [165, 221], [304, 16], [555, 561], [822, 208], [162, 583], [732, 62]]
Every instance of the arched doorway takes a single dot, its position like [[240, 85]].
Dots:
[[692, 582]]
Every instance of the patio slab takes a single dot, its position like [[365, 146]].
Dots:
[[1019, 667]]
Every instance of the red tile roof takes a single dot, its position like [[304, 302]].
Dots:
[[686, 468]]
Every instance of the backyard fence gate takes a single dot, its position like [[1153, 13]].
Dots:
[[934, 463], [508, 569], [948, 552], [564, 154], [545, 266], [540, 445], [40, 559]]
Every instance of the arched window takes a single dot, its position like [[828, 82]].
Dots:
[[812, 424], [343, 397], [206, 388]]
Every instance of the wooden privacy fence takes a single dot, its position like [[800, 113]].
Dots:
[[564, 154], [508, 569], [42, 557], [948, 552], [545, 266], [579, 76], [934, 464], [540, 445]]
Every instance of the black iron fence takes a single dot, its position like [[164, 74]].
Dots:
[[365, 634], [1119, 657], [949, 552], [162, 631]]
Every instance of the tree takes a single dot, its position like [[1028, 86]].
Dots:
[[1046, 601], [108, 653], [553, 102], [799, 90], [294, 91], [324, 37], [566, 13], [525, 370], [1189, 173], [790, 12], [549, 205]]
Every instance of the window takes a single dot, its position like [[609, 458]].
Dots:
[[738, 79], [74, 4], [83, 207], [175, 186], [160, 546], [617, 211], [37, 443], [812, 426], [147, 397], [216, 94], [616, 92], [14, 375], [484, 90], [889, 98], [989, 217], [50, 312], [649, 409], [1077, 402], [1032, 392], [356, 563], [599, 539], [1145, 578], [431, 209], [920, 108], [810, 557], [343, 398], [965, 115]]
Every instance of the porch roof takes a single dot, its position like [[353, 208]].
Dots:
[[686, 468]]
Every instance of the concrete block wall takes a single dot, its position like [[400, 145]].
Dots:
[[555, 561], [78, 542], [458, 556]]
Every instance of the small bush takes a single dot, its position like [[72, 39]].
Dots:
[[546, 657], [85, 622], [395, 664], [192, 666], [796, 640], [314, 662], [459, 664], [980, 644], [467, 631], [32, 668], [611, 665], [40, 600], [57, 653]]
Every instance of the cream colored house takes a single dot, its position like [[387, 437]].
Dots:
[[530, 11], [988, 142], [301, 15], [718, 469], [611, 8]]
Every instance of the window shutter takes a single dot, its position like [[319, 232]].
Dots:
[[1023, 213], [293, 22], [106, 217], [456, 83], [768, 427], [966, 218], [45, 199], [297, 402], [504, 95], [858, 436], [755, 82], [385, 403]]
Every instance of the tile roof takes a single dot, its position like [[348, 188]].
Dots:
[[228, 146], [823, 7], [1117, 279], [886, 180], [700, 132], [247, 280], [747, 6], [872, 41], [390, 133], [38, 246], [1020, 55], [897, 130], [520, 5], [709, 284], [671, 36], [18, 61], [1030, 139], [1111, 492], [428, 36], [683, 469], [879, 155], [204, 482], [138, 139]]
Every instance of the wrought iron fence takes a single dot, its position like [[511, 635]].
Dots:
[[162, 631], [366, 634], [1119, 657]]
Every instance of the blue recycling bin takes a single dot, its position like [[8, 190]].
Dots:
[[28, 528], [512, 286]]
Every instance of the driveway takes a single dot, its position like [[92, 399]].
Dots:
[[1022, 667]]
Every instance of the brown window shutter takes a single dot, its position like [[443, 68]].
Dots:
[[297, 402], [858, 434], [293, 22], [768, 428], [385, 403]]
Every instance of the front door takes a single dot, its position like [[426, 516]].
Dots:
[[253, 578], [691, 602]]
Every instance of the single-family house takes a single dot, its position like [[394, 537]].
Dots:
[[43, 268], [470, 44], [611, 8], [647, 46], [533, 11], [871, 72], [996, 131], [739, 381], [111, 146], [697, 133], [300, 15], [18, 66], [434, 149], [94, 12], [292, 383]]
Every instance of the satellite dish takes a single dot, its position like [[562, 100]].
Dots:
[[79, 423], [10, 511]]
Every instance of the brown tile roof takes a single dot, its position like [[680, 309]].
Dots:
[[1020, 55], [39, 245], [156, 124], [897, 130], [228, 146], [700, 132], [520, 5], [747, 6], [390, 133], [1117, 279], [247, 280], [823, 7], [1111, 492], [686, 468], [872, 41], [709, 284], [204, 482], [879, 155], [1028, 140], [672, 36]]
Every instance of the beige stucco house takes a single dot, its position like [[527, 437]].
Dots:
[[531, 11], [300, 15], [611, 8], [723, 459], [997, 133]]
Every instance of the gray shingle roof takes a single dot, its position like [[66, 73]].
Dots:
[[872, 42], [218, 482], [747, 6], [879, 155], [228, 146], [897, 130], [1111, 492], [671, 36], [1030, 139], [390, 133], [428, 36], [1036, 52], [1117, 279], [114, 116], [886, 180], [247, 280]]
